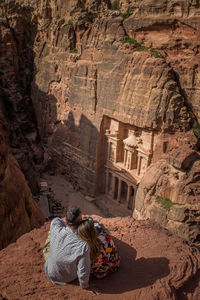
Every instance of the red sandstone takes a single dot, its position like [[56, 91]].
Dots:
[[154, 265]]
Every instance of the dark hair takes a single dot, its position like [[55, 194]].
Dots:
[[72, 216]]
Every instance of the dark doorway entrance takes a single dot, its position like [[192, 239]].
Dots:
[[116, 187], [123, 192], [131, 199]]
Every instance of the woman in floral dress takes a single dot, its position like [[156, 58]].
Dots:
[[103, 252]]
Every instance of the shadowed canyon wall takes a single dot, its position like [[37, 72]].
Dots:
[[19, 143], [18, 211], [83, 62], [16, 74]]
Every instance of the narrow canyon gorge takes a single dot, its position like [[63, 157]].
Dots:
[[100, 107]]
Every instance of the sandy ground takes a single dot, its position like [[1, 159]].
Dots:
[[64, 193]]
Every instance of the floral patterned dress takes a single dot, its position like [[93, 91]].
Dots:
[[108, 260]]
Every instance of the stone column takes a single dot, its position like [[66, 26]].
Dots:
[[125, 157], [107, 182], [119, 190], [131, 164], [115, 154], [113, 186], [108, 155], [138, 165], [128, 196]]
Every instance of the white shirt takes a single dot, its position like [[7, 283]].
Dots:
[[69, 255]]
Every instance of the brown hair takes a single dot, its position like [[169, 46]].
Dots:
[[88, 233]]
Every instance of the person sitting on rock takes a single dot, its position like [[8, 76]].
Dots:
[[103, 253], [69, 255]]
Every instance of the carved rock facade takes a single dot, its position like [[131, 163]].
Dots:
[[129, 153]]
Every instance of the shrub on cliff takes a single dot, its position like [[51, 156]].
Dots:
[[138, 46], [155, 53], [196, 129], [73, 50], [126, 15], [166, 203]]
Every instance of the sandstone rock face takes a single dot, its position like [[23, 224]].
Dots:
[[136, 62], [147, 271], [16, 65], [169, 192], [18, 211], [94, 70]]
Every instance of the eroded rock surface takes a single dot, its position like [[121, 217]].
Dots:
[[135, 62], [167, 269], [16, 65], [18, 211], [169, 192]]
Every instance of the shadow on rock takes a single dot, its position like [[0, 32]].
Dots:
[[133, 273]]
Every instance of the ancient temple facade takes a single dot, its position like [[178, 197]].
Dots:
[[129, 153]]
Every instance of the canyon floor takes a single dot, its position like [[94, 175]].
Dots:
[[155, 264], [63, 193]]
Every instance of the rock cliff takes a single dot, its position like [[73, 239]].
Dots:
[[169, 191], [16, 64], [77, 66], [167, 269], [18, 211]]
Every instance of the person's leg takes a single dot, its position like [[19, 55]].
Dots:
[[47, 246]]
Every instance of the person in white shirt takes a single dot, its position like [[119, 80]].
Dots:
[[69, 255]]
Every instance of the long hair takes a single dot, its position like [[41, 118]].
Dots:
[[88, 233]]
